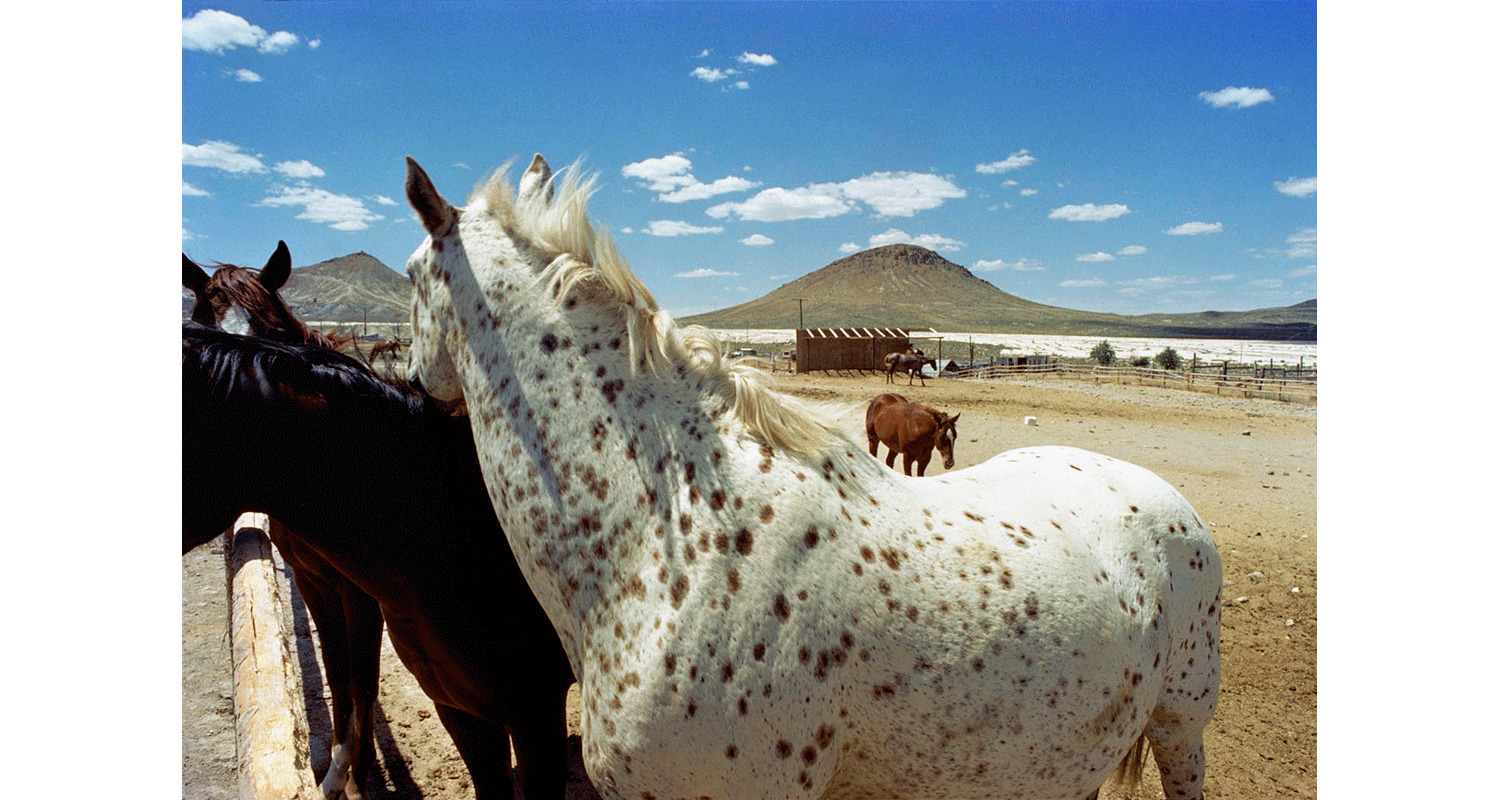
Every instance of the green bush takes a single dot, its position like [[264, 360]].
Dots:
[[1140, 361], [1168, 359], [1103, 353]]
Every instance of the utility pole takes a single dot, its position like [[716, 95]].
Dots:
[[799, 300]]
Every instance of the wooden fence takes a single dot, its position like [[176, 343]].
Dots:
[[1248, 380]]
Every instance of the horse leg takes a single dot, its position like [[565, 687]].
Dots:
[[922, 464], [485, 748], [366, 626], [1175, 729], [890, 459], [541, 739]]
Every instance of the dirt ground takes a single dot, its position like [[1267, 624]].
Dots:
[[1249, 467]]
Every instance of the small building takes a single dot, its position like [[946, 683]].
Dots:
[[848, 348]]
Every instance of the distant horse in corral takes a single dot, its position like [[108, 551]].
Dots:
[[908, 363], [246, 301], [754, 605], [426, 547], [910, 429], [391, 346]]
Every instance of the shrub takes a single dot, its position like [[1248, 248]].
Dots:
[[1140, 361], [1168, 359], [1103, 353]]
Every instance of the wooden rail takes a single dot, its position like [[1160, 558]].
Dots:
[[1260, 385]]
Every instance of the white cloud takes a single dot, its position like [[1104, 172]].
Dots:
[[1130, 250], [705, 273], [246, 76], [712, 75], [1222, 278], [298, 169], [705, 53], [189, 190], [1010, 182], [1265, 283], [337, 211], [1304, 272], [1087, 283], [669, 227], [1020, 265], [888, 194], [220, 155], [932, 241], [212, 31], [1027, 192], [703, 191], [739, 85], [1298, 187], [1237, 96], [1016, 160], [1096, 257], [757, 240], [849, 247], [383, 200], [901, 194], [1088, 212], [776, 204], [313, 44], [279, 42], [754, 60], [1195, 229]]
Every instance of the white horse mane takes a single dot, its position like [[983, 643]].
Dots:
[[578, 255]]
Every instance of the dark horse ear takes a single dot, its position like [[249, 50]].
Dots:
[[277, 269], [438, 215], [193, 276]]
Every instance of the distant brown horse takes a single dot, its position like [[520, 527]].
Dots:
[[246, 301], [910, 429], [910, 362], [391, 346]]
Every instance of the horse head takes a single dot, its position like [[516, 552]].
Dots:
[[947, 434], [243, 301]]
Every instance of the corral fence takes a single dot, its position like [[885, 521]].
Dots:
[[1285, 381]]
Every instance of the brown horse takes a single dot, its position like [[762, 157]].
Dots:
[[909, 362], [246, 301], [910, 429], [391, 346]]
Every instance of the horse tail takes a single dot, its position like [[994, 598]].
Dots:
[[1128, 774]]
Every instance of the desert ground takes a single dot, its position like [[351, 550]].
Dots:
[[1249, 467]]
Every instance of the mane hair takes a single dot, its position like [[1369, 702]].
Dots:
[[267, 307], [584, 259]]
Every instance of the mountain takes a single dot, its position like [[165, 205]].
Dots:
[[346, 288], [906, 286]]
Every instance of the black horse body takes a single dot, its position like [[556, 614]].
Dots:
[[385, 488]]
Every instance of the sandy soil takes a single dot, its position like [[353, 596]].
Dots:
[[1249, 467]]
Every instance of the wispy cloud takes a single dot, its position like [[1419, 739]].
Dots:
[[213, 31], [1088, 212], [1019, 265], [1096, 257], [670, 227], [189, 190], [1131, 250], [757, 240], [1298, 187], [1016, 160], [303, 169], [932, 241], [1236, 96], [1195, 229], [1084, 283], [1304, 243], [220, 155], [383, 200], [246, 76], [340, 212], [706, 273]]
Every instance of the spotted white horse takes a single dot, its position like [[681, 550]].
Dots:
[[754, 605]]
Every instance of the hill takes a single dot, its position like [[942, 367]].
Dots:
[[907, 286], [346, 288]]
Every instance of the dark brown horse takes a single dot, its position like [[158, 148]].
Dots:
[[246, 301], [910, 429], [391, 346], [910, 362], [425, 549]]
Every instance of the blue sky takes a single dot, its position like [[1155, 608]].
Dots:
[[1129, 157]]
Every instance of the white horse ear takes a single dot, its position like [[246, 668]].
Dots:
[[538, 177], [278, 268], [438, 215]]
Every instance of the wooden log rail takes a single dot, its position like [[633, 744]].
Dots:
[[270, 721]]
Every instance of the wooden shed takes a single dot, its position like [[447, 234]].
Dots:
[[848, 348]]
